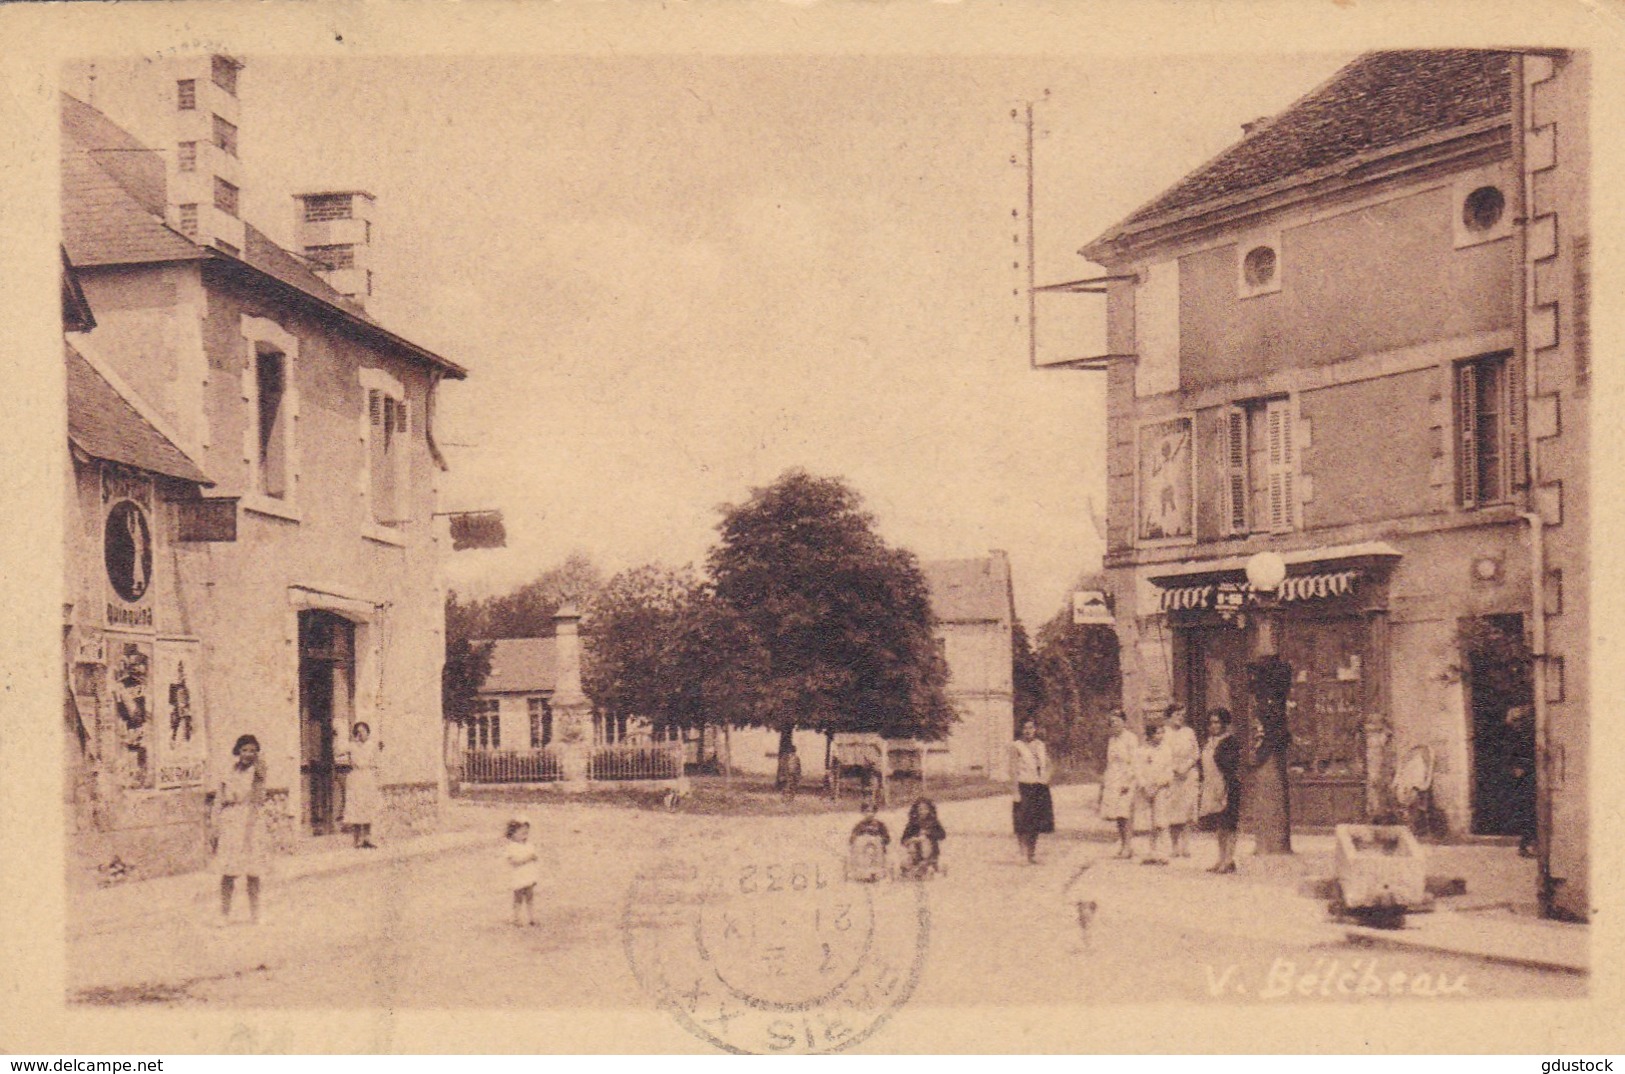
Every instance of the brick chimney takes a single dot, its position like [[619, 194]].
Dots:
[[205, 175], [335, 232]]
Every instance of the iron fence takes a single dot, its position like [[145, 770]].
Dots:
[[539, 765], [625, 761]]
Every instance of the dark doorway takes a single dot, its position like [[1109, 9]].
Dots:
[[1501, 701], [326, 704]]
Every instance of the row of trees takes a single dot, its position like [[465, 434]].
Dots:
[[804, 619]]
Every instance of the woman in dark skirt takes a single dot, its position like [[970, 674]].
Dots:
[[1033, 811], [1220, 798]]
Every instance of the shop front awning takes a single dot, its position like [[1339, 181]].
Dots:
[[1321, 573], [1318, 586]]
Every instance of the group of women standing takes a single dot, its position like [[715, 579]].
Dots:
[[236, 823], [1164, 784]]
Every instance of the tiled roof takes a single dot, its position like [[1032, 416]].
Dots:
[[969, 590], [1380, 101], [104, 224], [521, 666], [113, 203], [106, 425]]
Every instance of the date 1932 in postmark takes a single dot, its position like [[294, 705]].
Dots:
[[769, 954]]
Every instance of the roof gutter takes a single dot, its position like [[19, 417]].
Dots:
[[350, 320]]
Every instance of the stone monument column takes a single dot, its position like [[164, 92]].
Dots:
[[572, 712]]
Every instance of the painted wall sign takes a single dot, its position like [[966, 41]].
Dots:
[[127, 546], [1165, 460], [178, 739]]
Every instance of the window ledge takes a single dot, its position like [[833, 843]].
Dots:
[[261, 504], [372, 531]]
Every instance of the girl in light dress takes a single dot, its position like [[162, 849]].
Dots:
[[1117, 782], [1185, 754], [1153, 774], [524, 867], [235, 827]]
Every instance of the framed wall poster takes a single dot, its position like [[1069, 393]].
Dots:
[[177, 737], [131, 689], [1164, 477]]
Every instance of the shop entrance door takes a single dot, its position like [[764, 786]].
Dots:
[[326, 703], [1326, 713], [1501, 700], [1326, 709]]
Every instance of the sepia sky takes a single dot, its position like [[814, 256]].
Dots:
[[673, 278]]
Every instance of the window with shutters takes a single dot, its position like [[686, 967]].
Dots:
[[271, 390], [1258, 468], [186, 95], [1490, 448], [186, 158], [1281, 467], [1236, 472], [386, 437]]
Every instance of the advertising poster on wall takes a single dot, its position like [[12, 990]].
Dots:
[[127, 536], [178, 739], [130, 669], [1165, 480]]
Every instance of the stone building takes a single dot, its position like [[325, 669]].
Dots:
[[1357, 338], [302, 591]]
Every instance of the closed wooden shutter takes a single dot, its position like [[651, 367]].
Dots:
[[1467, 432], [1517, 441], [1235, 471], [1283, 490]]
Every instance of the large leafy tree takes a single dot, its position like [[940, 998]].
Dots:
[[642, 638], [830, 628]]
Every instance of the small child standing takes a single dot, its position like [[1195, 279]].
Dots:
[[523, 863]]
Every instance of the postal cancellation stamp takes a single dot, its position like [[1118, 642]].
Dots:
[[763, 954]]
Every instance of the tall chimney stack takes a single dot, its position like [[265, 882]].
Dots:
[[204, 172], [336, 234]]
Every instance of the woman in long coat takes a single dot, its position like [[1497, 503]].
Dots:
[[236, 828], [1117, 782], [362, 798], [1153, 773], [1033, 811], [1186, 756], [1221, 787]]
